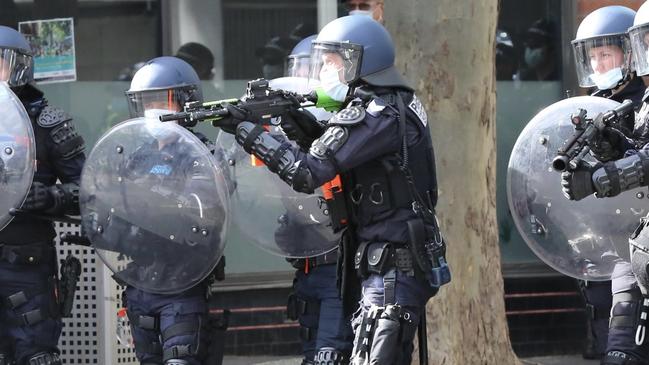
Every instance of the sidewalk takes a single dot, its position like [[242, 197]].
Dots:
[[288, 360]]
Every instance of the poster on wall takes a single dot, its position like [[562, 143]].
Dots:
[[52, 43]]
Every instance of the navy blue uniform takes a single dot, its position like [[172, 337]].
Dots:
[[166, 326], [599, 296], [363, 143], [30, 320]]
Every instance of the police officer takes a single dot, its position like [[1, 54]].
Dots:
[[380, 144], [30, 316], [373, 8], [626, 344], [167, 328], [603, 60], [325, 331]]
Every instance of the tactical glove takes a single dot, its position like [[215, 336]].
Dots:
[[578, 184], [229, 123], [39, 198], [302, 127]]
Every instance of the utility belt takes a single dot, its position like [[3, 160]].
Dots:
[[424, 256], [310, 263]]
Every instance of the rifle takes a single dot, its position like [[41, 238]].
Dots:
[[588, 132], [261, 103]]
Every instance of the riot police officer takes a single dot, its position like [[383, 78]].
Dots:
[[325, 331], [626, 344], [30, 314], [603, 60], [603, 55], [380, 144], [167, 328]]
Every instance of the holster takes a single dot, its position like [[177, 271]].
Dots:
[[70, 273], [348, 283]]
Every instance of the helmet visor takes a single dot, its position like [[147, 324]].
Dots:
[[602, 61], [15, 67], [153, 103], [335, 62], [640, 45], [298, 66]]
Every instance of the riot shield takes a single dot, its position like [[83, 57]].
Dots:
[[17, 153], [583, 239], [266, 210], [154, 204]]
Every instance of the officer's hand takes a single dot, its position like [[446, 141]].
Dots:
[[302, 127], [229, 122], [39, 198], [610, 146], [578, 184]]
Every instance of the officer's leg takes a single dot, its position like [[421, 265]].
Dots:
[[145, 326], [621, 348], [384, 333], [597, 295], [6, 347], [31, 312], [305, 307], [334, 337], [181, 326]]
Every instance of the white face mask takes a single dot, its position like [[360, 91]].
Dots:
[[360, 12], [331, 84], [607, 80], [156, 113]]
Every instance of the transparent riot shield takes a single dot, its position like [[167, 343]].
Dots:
[[155, 204], [269, 212], [17, 153], [584, 239]]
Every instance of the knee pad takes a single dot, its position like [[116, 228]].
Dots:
[[620, 358], [176, 362], [382, 332], [44, 358], [330, 356]]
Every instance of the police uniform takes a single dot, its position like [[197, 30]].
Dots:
[[30, 320]]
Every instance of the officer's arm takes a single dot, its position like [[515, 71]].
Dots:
[[624, 174], [344, 145], [66, 153]]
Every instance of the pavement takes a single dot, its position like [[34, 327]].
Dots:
[[291, 360]]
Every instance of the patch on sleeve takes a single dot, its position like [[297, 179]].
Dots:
[[417, 108], [376, 107], [348, 116]]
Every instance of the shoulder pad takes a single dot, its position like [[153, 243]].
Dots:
[[348, 116], [418, 109], [51, 117], [646, 95]]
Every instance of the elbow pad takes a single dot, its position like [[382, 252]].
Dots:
[[277, 156]]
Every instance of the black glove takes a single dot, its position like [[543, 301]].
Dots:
[[610, 146], [39, 198], [229, 123], [578, 184], [302, 127]]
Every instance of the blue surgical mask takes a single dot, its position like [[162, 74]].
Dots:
[[607, 80], [534, 57], [360, 12], [330, 83]]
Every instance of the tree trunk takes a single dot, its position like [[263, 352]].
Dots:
[[446, 49]]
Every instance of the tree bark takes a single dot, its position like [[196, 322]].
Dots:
[[446, 49]]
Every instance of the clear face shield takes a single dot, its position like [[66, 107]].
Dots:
[[335, 65], [15, 67], [154, 103], [602, 61], [298, 66], [639, 36]]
